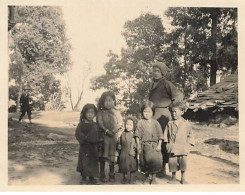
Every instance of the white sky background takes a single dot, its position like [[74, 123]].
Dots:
[[94, 29]]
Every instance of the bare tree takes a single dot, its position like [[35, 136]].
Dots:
[[76, 80]]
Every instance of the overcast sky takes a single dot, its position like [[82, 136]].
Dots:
[[94, 29]]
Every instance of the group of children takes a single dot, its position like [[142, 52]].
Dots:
[[130, 143]]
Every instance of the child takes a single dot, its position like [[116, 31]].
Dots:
[[87, 135], [111, 123], [178, 136], [162, 94], [127, 144], [149, 134]]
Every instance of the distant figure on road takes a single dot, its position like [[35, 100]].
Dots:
[[25, 105]]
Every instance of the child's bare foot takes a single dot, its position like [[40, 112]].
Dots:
[[183, 181], [173, 181], [154, 181]]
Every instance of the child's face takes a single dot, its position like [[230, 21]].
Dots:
[[129, 125], [176, 113], [156, 73], [90, 114], [147, 113], [109, 102]]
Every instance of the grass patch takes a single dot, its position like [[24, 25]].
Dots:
[[225, 145]]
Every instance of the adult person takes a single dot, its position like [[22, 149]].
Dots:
[[25, 105], [162, 94]]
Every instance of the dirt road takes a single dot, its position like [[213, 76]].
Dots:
[[35, 159]]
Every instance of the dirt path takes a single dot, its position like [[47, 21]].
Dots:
[[36, 160]]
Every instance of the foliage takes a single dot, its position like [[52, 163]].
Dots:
[[202, 42], [205, 38], [38, 49], [128, 76]]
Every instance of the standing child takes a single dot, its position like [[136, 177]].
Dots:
[[88, 136], [178, 136], [111, 123], [149, 134], [127, 144]]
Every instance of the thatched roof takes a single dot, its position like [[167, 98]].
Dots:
[[221, 95]]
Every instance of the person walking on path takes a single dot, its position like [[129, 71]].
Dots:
[[25, 105]]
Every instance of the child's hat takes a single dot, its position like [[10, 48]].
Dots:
[[162, 66]]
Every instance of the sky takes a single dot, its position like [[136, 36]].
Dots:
[[94, 29]]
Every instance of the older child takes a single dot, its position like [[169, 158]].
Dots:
[[178, 136], [87, 133], [149, 134], [162, 94], [111, 123], [127, 144]]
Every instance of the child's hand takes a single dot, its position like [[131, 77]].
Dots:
[[158, 148], [109, 133]]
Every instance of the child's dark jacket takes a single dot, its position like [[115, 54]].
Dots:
[[87, 135], [127, 160]]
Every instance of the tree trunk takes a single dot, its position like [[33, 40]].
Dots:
[[213, 64], [18, 99], [213, 70], [70, 97], [78, 101]]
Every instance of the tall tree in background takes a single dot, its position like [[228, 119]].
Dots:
[[202, 42], [129, 75], [38, 49], [205, 34]]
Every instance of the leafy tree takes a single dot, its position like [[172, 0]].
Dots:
[[202, 36], [129, 75], [202, 42], [38, 49]]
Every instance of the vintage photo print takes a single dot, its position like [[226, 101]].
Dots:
[[145, 95]]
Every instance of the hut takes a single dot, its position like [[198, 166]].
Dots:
[[218, 104]]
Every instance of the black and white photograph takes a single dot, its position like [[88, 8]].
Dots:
[[122, 93]]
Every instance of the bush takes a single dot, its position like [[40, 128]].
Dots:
[[12, 109]]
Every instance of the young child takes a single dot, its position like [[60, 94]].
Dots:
[[87, 134], [178, 136], [149, 134], [111, 124], [127, 144]]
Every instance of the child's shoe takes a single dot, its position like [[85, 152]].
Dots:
[[83, 180], [92, 181], [124, 180], [102, 177], [173, 181], [112, 177], [183, 181]]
